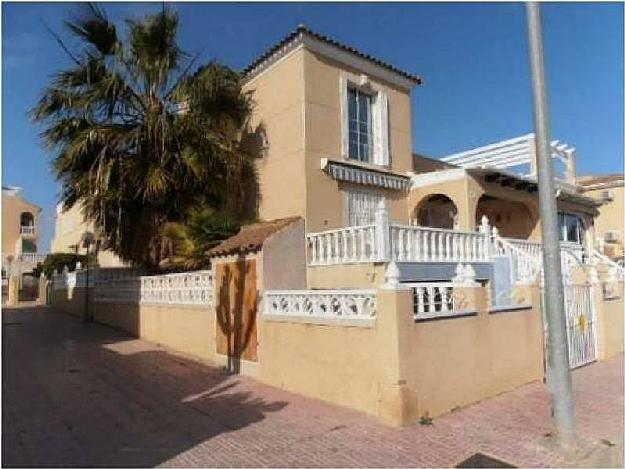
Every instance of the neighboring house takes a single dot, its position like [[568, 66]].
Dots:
[[610, 223], [70, 225], [21, 231]]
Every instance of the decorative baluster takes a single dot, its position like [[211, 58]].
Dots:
[[400, 244], [328, 247], [474, 253], [417, 242], [439, 254], [352, 240], [448, 254], [420, 302], [431, 299], [363, 247], [409, 235], [344, 252]]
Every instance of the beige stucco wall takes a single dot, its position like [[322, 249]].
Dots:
[[283, 259], [610, 322], [361, 275], [278, 95], [187, 329], [323, 139], [400, 370], [356, 367], [298, 103], [454, 362], [611, 217], [12, 207], [515, 212], [68, 229]]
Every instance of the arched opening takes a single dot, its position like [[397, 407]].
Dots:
[[512, 219], [27, 219], [436, 211]]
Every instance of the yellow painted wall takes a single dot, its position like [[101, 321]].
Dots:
[[455, 362], [401, 370], [323, 139], [362, 275], [611, 217], [12, 207], [186, 329], [610, 322], [278, 95]]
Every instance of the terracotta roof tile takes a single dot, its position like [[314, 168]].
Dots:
[[251, 237], [599, 179], [301, 29]]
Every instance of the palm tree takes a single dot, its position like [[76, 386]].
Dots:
[[138, 139]]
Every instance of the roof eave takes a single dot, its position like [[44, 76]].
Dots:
[[328, 47]]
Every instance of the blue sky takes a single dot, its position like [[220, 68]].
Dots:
[[472, 57]]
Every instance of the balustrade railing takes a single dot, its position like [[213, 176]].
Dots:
[[343, 246], [27, 230], [423, 244], [434, 300], [346, 304], [118, 290], [406, 244], [188, 288], [32, 257]]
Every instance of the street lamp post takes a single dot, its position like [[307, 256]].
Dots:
[[558, 372], [87, 240]]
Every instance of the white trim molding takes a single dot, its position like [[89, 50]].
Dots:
[[350, 172], [435, 177]]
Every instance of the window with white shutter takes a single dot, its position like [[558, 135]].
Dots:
[[365, 124], [361, 206]]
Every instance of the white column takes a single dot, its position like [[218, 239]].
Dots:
[[382, 232]]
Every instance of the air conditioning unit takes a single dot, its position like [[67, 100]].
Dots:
[[607, 196], [612, 236]]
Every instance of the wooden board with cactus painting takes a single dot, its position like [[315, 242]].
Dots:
[[236, 297]]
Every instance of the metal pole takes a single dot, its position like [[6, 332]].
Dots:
[[558, 373]]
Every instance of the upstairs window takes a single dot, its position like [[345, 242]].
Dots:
[[571, 228], [359, 117]]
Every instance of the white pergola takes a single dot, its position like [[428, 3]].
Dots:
[[514, 152]]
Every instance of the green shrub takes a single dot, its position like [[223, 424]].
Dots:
[[57, 261]]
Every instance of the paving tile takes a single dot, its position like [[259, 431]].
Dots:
[[77, 394]]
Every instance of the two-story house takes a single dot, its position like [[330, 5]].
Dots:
[[339, 146], [21, 231]]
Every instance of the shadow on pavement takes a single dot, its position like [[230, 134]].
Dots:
[[77, 394]]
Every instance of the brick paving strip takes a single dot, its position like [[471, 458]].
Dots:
[[77, 394]]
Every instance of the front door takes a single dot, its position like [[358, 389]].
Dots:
[[580, 324]]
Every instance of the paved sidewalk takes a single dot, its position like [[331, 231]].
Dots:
[[78, 394]]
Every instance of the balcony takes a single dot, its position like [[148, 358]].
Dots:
[[27, 230], [31, 257]]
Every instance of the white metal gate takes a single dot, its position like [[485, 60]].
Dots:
[[581, 324]]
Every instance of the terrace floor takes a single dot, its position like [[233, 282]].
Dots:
[[77, 394]]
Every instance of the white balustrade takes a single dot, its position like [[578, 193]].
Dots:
[[32, 257], [434, 300], [119, 290], [526, 257], [187, 288], [424, 244], [27, 230], [321, 304], [407, 244], [342, 246]]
